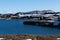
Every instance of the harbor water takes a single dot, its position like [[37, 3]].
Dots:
[[17, 27]]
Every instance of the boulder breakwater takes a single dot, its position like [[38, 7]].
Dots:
[[45, 23]]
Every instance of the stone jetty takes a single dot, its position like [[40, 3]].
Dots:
[[43, 22]]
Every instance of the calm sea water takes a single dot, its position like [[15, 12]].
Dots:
[[17, 27]]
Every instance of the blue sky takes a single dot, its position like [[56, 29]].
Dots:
[[28, 5]]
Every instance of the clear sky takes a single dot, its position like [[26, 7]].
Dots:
[[28, 5]]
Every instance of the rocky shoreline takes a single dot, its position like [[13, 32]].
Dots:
[[33, 37]]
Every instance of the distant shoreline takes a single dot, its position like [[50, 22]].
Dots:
[[33, 14]]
